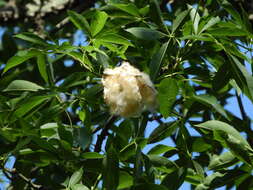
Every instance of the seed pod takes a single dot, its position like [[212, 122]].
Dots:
[[127, 91]]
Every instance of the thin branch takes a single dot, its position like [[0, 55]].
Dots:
[[65, 22], [243, 113], [104, 133], [21, 176]]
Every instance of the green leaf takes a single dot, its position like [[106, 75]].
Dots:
[[125, 180], [195, 18], [160, 149], [9, 46], [145, 33], [98, 22], [149, 186], [232, 11], [114, 38], [230, 138], [48, 130], [30, 104], [76, 177], [156, 15], [222, 77], [227, 31], [91, 155], [175, 179], [242, 77], [129, 8], [83, 136], [211, 102], [41, 63], [156, 61], [22, 85], [167, 92], [210, 23], [219, 179], [111, 169], [163, 131], [30, 37], [82, 58], [79, 21], [179, 18], [224, 160], [79, 187], [130, 149], [19, 58], [199, 145]]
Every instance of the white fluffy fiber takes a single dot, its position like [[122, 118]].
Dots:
[[127, 91]]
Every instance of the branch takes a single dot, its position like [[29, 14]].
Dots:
[[65, 22], [21, 176], [104, 133], [243, 113]]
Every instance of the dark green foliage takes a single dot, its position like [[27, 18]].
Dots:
[[55, 123]]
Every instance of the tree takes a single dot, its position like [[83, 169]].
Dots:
[[56, 125]]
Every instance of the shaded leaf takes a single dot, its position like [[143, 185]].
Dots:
[[30, 104], [83, 137], [212, 102], [163, 131], [111, 166], [149, 186], [156, 61], [145, 33], [22, 85], [167, 92]]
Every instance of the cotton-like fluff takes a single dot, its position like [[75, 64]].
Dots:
[[127, 91]]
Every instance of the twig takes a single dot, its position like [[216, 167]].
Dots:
[[87, 4], [243, 113], [15, 172], [104, 133]]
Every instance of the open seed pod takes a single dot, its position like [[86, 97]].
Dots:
[[127, 91]]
